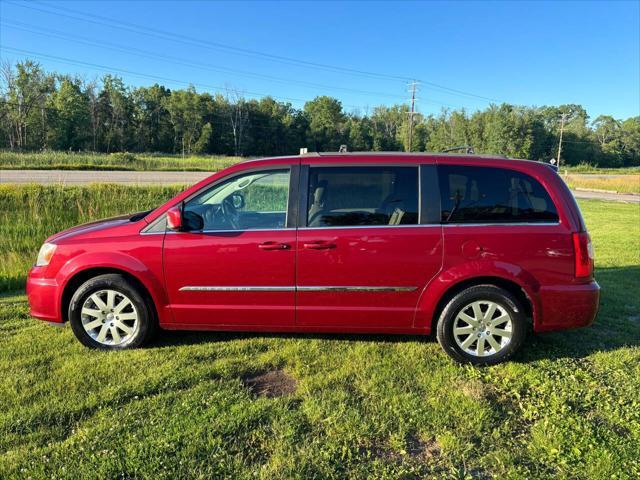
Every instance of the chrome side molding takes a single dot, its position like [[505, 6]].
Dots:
[[354, 289], [191, 288], [207, 288]]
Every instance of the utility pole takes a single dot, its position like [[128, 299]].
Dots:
[[413, 85], [563, 119]]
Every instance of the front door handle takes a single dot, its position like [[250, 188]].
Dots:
[[319, 245], [273, 246]]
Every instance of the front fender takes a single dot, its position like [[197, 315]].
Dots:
[[151, 280], [480, 269]]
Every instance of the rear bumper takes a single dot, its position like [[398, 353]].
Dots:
[[568, 306], [43, 294]]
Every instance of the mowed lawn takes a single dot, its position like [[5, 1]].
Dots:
[[568, 406]]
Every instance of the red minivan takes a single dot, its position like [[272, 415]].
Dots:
[[479, 249]]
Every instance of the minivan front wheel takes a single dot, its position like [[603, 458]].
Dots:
[[108, 312], [482, 325]]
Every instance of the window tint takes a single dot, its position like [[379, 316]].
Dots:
[[256, 200], [492, 195], [352, 196]]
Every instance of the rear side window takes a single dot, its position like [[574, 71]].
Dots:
[[492, 195], [361, 196]]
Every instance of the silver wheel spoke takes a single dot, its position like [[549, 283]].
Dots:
[[124, 327], [467, 343], [115, 335], [123, 303], [111, 299], [91, 312], [103, 333], [495, 345], [477, 311], [463, 330], [501, 319], [501, 333], [470, 320], [92, 325], [490, 311], [127, 316], [98, 301], [480, 347]]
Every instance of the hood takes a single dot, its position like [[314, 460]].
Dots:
[[99, 225]]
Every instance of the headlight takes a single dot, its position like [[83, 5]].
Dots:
[[44, 255]]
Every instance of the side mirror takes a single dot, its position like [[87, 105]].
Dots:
[[191, 221], [174, 219]]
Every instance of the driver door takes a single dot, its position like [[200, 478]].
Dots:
[[239, 270]]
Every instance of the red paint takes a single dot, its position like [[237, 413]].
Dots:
[[174, 218], [550, 263]]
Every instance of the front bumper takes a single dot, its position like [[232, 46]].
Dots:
[[568, 306], [43, 294]]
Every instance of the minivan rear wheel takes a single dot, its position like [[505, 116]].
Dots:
[[109, 312], [482, 325]]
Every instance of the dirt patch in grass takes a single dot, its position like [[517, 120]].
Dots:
[[423, 450], [271, 384], [416, 450]]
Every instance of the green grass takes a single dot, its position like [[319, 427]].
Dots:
[[52, 160], [627, 184], [57, 160], [588, 168], [566, 407]]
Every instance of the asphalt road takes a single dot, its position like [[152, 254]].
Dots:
[[84, 177]]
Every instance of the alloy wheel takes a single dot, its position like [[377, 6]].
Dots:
[[482, 328], [110, 318]]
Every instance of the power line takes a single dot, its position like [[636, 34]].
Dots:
[[205, 43], [105, 21], [146, 75], [175, 60]]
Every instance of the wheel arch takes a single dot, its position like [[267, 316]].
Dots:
[[509, 285], [82, 276], [449, 283]]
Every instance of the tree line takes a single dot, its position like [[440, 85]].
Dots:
[[42, 110]]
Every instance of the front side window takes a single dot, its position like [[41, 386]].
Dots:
[[256, 200], [492, 195], [362, 196]]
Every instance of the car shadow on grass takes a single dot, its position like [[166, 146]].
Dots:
[[617, 326]]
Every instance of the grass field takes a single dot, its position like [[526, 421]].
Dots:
[[52, 160], [624, 184], [115, 161], [357, 406]]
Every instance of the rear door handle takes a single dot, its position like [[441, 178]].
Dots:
[[273, 246], [319, 245]]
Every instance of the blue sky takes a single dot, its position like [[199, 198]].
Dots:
[[531, 53]]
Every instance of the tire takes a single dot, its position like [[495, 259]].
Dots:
[[486, 341], [108, 312]]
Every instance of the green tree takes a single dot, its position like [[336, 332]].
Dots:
[[69, 125], [184, 107], [326, 123], [154, 131]]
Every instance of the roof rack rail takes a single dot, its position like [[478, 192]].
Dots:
[[467, 148]]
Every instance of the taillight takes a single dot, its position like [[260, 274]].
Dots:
[[583, 251]]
